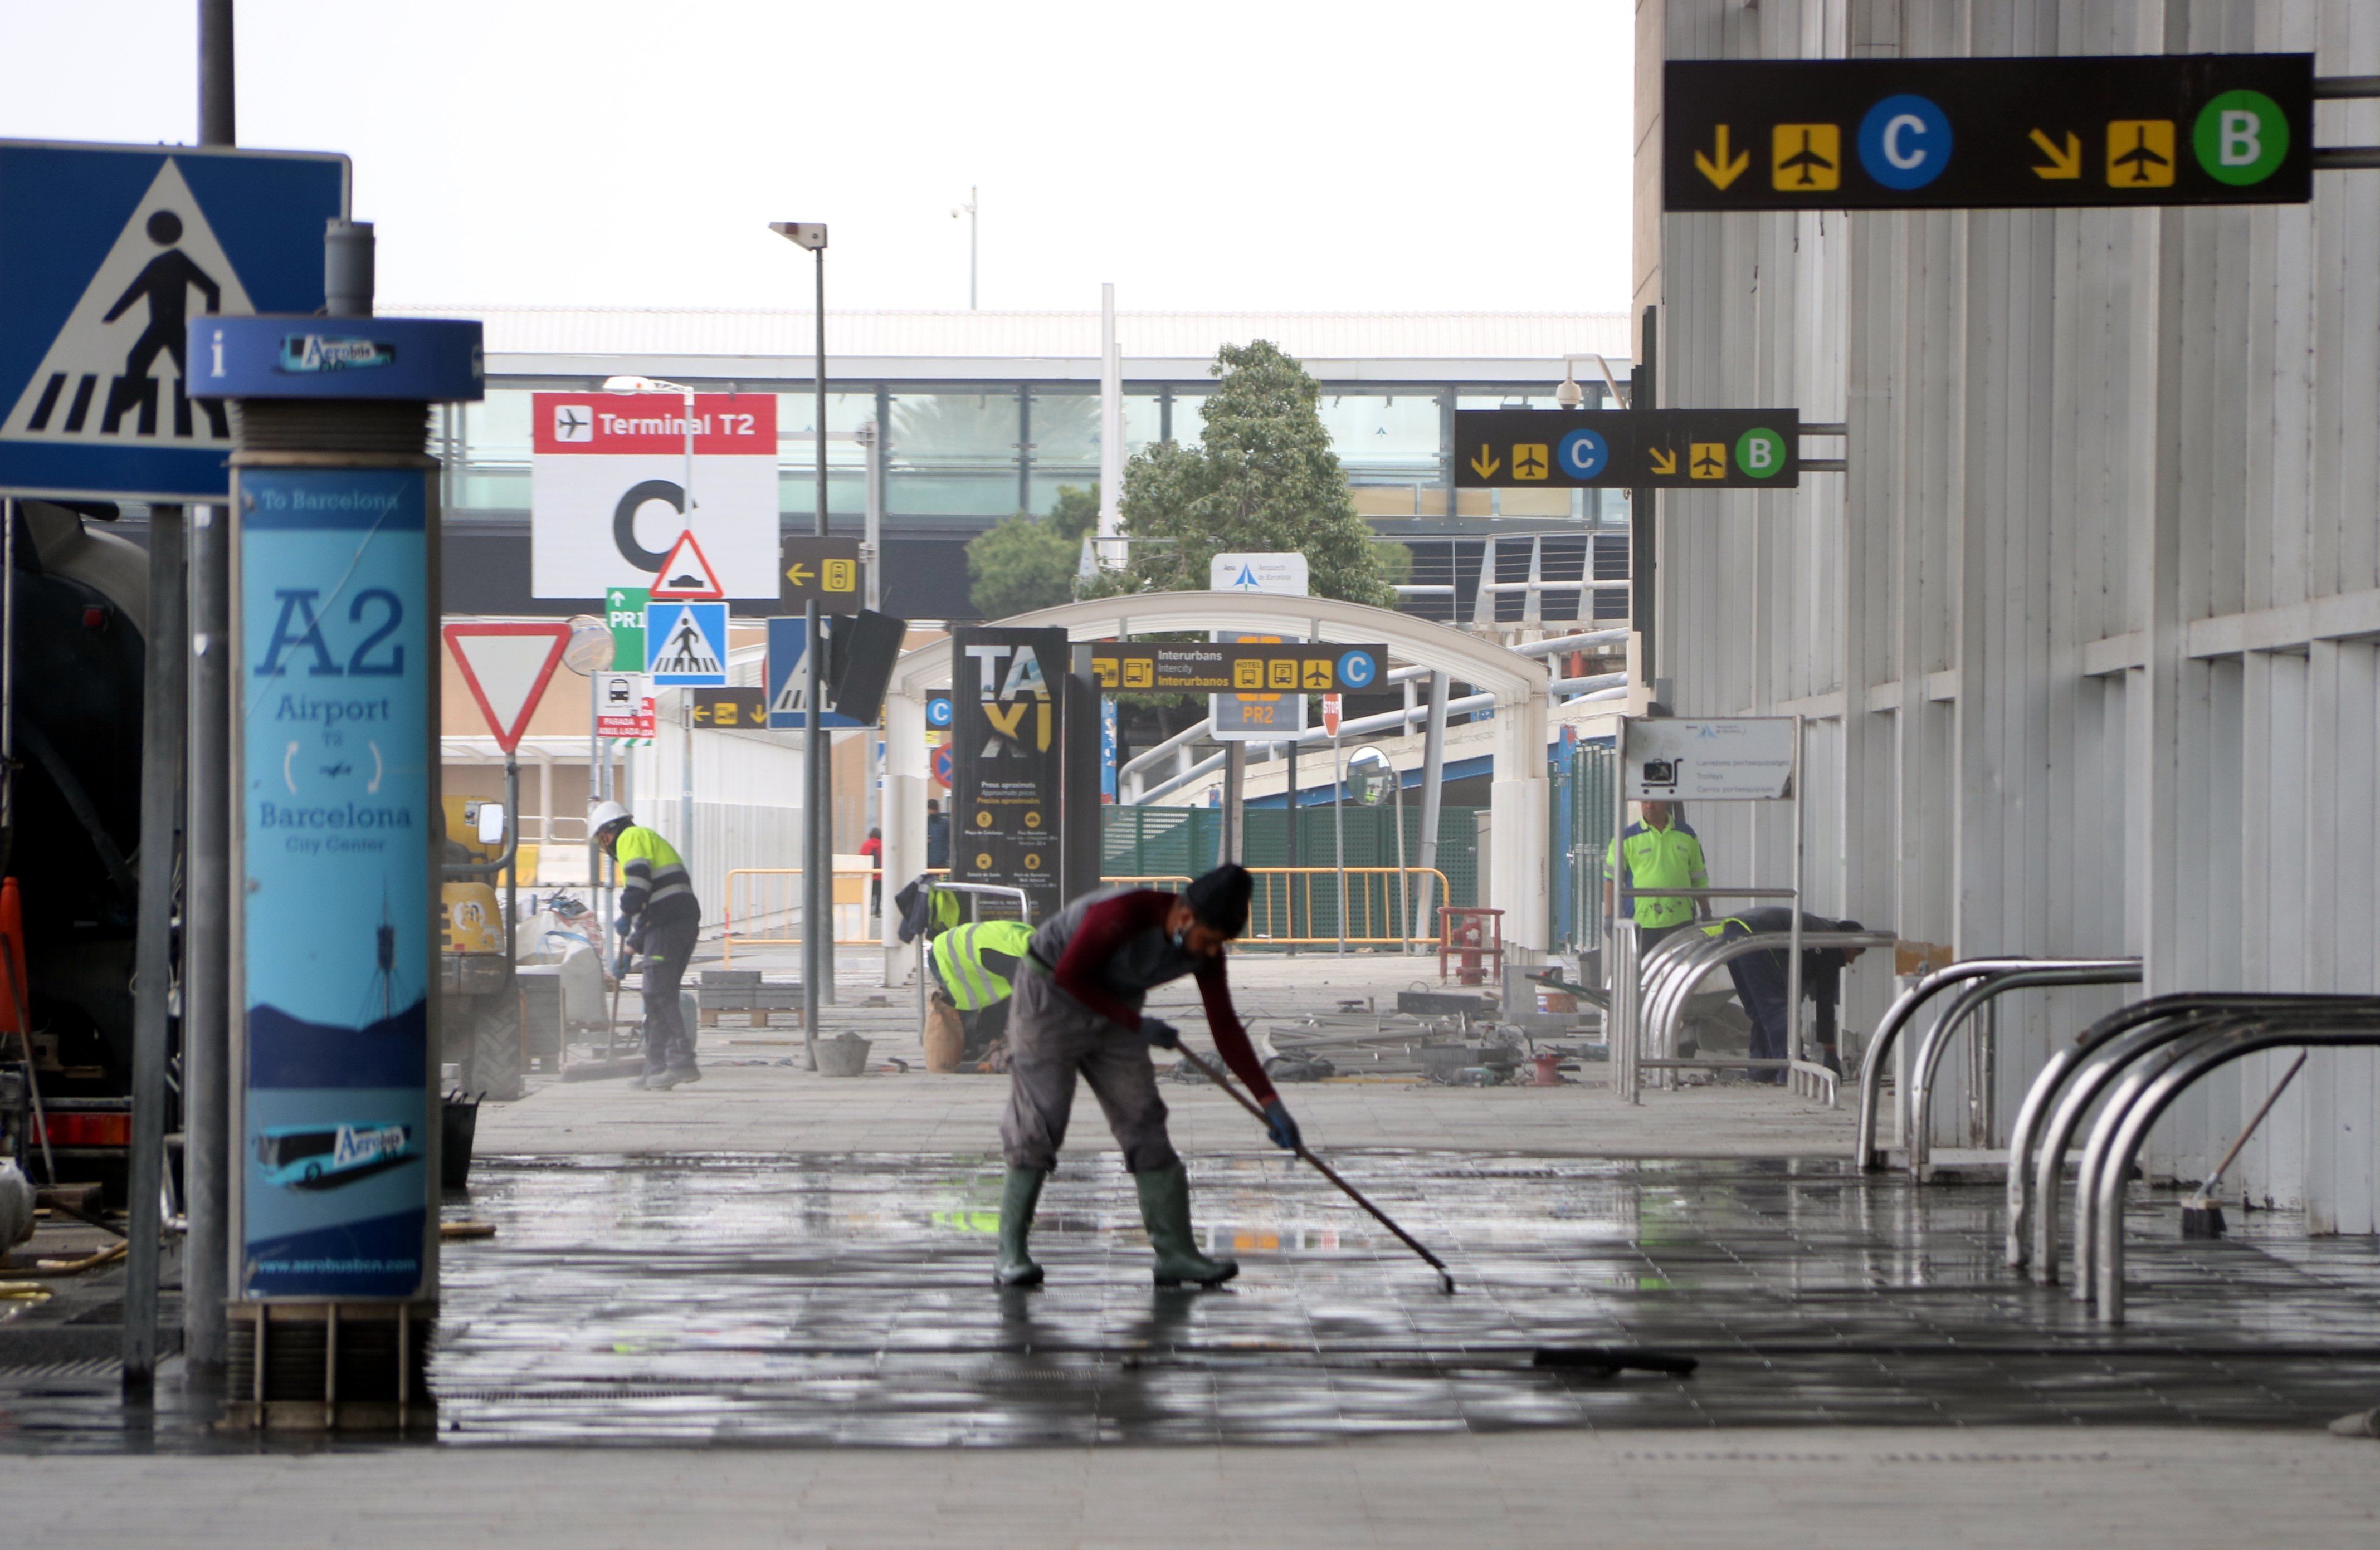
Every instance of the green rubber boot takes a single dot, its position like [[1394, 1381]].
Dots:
[[1165, 1212], [1016, 1267]]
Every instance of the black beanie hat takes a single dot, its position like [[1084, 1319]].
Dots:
[[1849, 925], [1221, 898]]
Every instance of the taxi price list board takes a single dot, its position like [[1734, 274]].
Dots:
[[1945, 134], [1627, 449], [1235, 667]]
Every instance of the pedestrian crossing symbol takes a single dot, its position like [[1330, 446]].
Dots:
[[101, 376], [685, 644], [108, 254]]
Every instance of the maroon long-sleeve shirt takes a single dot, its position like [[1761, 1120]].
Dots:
[[1108, 950]]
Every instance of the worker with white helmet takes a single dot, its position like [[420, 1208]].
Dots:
[[659, 918]]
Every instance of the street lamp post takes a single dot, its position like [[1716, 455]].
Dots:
[[817, 840]]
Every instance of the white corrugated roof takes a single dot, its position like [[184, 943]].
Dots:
[[688, 331]]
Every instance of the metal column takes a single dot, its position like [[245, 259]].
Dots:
[[164, 713]]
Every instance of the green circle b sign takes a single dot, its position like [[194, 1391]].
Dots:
[[2241, 137], [1759, 452]]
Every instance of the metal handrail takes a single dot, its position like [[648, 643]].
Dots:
[[1936, 1042], [730, 940], [2355, 1023], [2035, 1112], [1865, 1154], [1261, 913], [1668, 998]]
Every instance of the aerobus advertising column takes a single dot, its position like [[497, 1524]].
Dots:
[[335, 844]]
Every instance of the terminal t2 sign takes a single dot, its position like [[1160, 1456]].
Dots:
[[1627, 449], [608, 504], [1908, 134]]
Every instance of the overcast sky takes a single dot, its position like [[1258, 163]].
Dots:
[[1288, 154]]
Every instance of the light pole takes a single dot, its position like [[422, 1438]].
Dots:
[[817, 840]]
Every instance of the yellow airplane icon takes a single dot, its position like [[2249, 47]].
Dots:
[[1530, 461], [1709, 461]]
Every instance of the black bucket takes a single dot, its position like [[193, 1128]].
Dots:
[[462, 1123]]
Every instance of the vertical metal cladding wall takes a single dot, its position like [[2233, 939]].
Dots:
[[2087, 626]]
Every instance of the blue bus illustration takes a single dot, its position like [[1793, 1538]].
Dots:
[[322, 1157]]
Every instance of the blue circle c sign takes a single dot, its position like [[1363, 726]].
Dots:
[[1356, 669], [939, 712], [1582, 453], [1904, 141]]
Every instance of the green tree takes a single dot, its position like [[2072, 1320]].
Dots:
[[1028, 561], [1264, 479]]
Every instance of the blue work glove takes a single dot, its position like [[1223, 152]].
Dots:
[[1280, 1127], [620, 966], [1160, 1033]]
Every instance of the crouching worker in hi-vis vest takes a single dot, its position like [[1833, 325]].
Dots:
[[973, 967], [1079, 990], [659, 918]]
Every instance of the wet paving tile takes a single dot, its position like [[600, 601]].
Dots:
[[846, 1299]]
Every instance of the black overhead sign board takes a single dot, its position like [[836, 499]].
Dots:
[[1627, 449], [1910, 134], [1236, 667]]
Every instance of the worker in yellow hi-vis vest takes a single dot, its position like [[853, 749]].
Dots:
[[973, 965], [660, 918], [1661, 851]]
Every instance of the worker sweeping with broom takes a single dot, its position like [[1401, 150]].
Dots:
[[1079, 990]]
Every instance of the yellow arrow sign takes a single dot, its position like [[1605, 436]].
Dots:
[[2064, 164], [1485, 463], [1665, 462], [799, 575], [1723, 172]]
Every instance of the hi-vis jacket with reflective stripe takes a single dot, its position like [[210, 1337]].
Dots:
[[959, 961], [658, 886]]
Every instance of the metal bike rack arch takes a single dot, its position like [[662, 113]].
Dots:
[[2064, 1090], [1865, 1154], [2139, 1071], [1936, 1042], [1678, 976], [2115, 1077], [2352, 1025]]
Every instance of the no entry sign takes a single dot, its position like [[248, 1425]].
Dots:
[[607, 503]]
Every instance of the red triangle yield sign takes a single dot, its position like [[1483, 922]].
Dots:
[[507, 667], [687, 574]]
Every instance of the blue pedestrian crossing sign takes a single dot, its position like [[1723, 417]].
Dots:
[[686, 645], [789, 679], [107, 253]]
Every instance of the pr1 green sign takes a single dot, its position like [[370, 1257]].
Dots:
[[624, 610]]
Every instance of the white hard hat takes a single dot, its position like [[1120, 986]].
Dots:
[[605, 815]]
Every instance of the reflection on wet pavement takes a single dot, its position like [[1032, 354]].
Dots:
[[847, 1300]]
